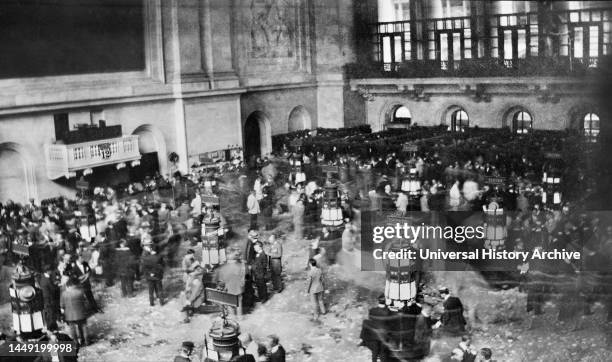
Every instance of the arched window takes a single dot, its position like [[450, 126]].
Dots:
[[591, 127], [459, 121], [522, 122], [402, 115]]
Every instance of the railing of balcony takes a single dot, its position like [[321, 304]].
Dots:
[[580, 37], [64, 160]]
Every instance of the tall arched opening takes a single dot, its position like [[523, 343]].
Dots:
[[299, 119], [257, 135], [152, 147]]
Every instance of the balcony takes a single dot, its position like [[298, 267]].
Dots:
[[550, 43], [64, 160], [484, 67]]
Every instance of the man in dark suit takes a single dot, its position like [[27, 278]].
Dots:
[[49, 286], [81, 270], [374, 330], [260, 272], [277, 352], [153, 270], [125, 268], [452, 319]]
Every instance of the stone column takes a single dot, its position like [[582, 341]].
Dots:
[[177, 90], [207, 41]]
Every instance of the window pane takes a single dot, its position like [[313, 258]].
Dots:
[[398, 49], [456, 46], [578, 41], [574, 17], [593, 41], [386, 49], [507, 44], [402, 112], [443, 47], [522, 43]]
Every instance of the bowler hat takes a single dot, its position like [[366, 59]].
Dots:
[[188, 344]]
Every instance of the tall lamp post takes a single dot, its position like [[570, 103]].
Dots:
[[551, 181], [495, 224], [213, 243]]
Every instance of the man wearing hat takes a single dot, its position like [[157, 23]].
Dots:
[[194, 290], [186, 352], [73, 303], [276, 253], [373, 331], [452, 320], [153, 270], [188, 260], [253, 209], [126, 263], [249, 251]]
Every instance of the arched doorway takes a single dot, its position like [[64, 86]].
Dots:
[[17, 179], [152, 147], [299, 119], [257, 135]]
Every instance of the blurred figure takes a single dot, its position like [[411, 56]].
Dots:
[[186, 352], [125, 262], [153, 270], [253, 209], [260, 272], [232, 274], [277, 352], [315, 288], [73, 304], [276, 265]]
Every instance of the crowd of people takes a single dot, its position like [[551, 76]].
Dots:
[[137, 234]]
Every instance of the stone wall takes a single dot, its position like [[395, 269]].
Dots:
[[209, 65], [495, 114]]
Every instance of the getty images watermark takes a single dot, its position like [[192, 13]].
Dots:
[[383, 238]]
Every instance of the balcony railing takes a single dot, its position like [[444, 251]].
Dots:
[[65, 160], [485, 67], [571, 36]]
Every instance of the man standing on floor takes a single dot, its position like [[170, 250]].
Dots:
[[260, 271], [276, 264], [153, 270], [315, 289], [253, 209], [125, 268], [452, 320], [81, 269], [73, 305], [49, 285]]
